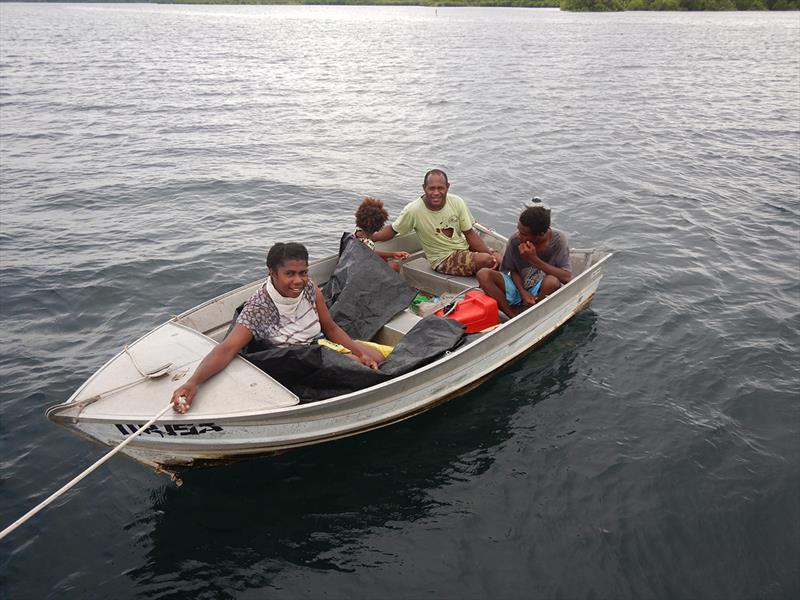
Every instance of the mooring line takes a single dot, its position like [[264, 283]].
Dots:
[[72, 483]]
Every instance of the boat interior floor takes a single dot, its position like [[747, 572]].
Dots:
[[417, 272]]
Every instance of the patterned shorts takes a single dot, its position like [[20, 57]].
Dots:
[[459, 262]]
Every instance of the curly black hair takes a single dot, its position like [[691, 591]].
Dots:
[[536, 218], [371, 215]]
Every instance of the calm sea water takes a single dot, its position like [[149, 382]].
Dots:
[[651, 449]]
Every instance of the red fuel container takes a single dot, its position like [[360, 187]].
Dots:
[[477, 311]]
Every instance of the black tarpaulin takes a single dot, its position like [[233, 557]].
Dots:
[[315, 372], [364, 293]]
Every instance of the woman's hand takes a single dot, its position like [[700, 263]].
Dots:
[[183, 396], [370, 354], [368, 361], [400, 255]]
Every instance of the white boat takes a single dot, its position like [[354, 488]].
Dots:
[[242, 411]]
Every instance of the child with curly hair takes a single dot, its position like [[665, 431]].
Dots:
[[370, 217]]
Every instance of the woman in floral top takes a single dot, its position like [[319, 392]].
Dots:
[[288, 309]]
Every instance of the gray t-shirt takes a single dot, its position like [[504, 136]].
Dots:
[[556, 254]]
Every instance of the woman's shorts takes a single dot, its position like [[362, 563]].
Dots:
[[512, 293]]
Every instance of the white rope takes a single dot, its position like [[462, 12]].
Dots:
[[72, 483]]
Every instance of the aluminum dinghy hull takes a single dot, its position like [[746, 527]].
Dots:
[[243, 412]]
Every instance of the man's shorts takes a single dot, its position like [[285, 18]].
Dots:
[[458, 262], [512, 293]]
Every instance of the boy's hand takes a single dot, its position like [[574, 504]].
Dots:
[[400, 255], [528, 251], [528, 299]]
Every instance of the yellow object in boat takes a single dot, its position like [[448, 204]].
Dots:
[[385, 350]]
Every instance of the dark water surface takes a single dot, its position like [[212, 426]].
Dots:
[[651, 449]]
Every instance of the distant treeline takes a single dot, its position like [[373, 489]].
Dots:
[[434, 3], [617, 5]]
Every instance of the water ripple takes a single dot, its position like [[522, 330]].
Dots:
[[150, 154]]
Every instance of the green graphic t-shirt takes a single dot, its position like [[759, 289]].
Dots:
[[433, 226]]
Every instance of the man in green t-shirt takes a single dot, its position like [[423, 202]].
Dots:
[[444, 227]]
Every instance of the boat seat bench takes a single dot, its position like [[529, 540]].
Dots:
[[418, 273]]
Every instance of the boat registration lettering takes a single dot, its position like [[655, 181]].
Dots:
[[168, 430]]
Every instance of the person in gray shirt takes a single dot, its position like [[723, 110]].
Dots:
[[535, 265]]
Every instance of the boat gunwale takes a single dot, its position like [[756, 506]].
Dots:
[[229, 451], [280, 415]]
